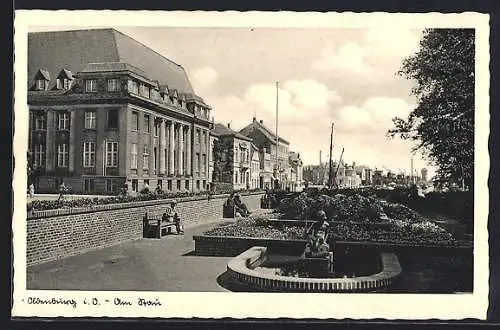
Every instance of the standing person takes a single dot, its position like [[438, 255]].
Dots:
[[31, 190], [158, 189], [178, 225], [62, 191]]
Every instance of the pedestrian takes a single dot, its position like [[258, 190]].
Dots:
[[32, 190], [177, 220], [62, 191], [159, 190]]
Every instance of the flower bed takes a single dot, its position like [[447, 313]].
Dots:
[[42, 205], [352, 218], [258, 228]]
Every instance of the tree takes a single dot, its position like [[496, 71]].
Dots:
[[443, 121]]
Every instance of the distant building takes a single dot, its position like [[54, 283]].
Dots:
[[232, 159], [296, 170], [424, 174], [255, 168], [264, 138]]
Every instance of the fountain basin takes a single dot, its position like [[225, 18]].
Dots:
[[242, 269]]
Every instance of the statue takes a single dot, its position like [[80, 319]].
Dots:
[[317, 246]]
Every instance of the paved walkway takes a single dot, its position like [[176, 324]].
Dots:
[[139, 265]]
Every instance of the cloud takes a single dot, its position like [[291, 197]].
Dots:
[[298, 99], [350, 57], [376, 46], [375, 114], [392, 44], [204, 77]]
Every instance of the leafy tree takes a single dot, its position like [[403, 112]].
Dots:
[[443, 121]]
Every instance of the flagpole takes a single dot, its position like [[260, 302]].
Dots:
[[277, 106]]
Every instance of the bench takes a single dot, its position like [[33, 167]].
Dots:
[[154, 226]]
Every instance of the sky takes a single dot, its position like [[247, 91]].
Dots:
[[344, 76]]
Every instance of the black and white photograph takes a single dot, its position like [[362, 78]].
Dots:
[[274, 164]]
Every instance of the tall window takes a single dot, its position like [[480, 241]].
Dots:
[[198, 136], [157, 127], [89, 154], [205, 138], [113, 85], [135, 121], [204, 163], [133, 87], [113, 118], [197, 163], [111, 186], [111, 154], [133, 153], [146, 124], [145, 157], [90, 120], [63, 121], [41, 122], [62, 155], [40, 155], [88, 185], [236, 177], [91, 85], [155, 158]]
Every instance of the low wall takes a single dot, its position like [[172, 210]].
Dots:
[[230, 246], [55, 234]]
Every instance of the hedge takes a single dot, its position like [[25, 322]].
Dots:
[[41, 205]]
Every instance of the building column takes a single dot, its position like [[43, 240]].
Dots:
[[188, 150], [50, 150], [207, 153], [71, 159], [161, 150], [171, 149], [180, 169]]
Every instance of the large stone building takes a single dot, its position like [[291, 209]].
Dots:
[[105, 110]]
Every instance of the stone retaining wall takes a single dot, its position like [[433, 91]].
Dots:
[[55, 234], [232, 246]]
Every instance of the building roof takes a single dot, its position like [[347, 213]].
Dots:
[[72, 50], [266, 131], [222, 130]]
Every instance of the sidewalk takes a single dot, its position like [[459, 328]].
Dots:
[[140, 265]]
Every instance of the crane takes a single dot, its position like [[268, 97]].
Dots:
[[337, 170]]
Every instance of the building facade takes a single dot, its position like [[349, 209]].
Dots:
[[106, 111], [265, 140], [255, 168], [232, 157], [296, 170]]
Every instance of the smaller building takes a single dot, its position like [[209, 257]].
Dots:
[[254, 167], [296, 170], [231, 152]]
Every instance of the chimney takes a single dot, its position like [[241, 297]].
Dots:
[[320, 158], [228, 125], [254, 119], [261, 121]]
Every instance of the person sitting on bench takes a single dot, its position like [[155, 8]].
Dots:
[[240, 207]]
